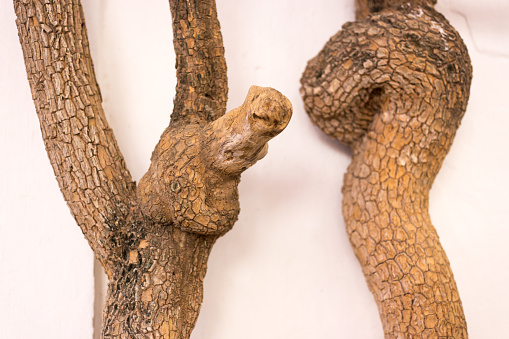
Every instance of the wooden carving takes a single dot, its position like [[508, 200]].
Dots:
[[393, 86], [153, 239]]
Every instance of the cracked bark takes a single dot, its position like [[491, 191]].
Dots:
[[153, 239], [393, 86]]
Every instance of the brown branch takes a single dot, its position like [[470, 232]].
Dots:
[[202, 84], [394, 86], [87, 162], [154, 241]]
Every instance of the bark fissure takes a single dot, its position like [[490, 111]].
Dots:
[[153, 239], [393, 86]]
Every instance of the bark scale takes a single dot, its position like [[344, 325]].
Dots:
[[393, 86], [153, 239]]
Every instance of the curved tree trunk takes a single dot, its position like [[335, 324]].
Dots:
[[153, 239], [393, 86]]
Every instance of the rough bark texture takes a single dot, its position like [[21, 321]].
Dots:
[[87, 162], [393, 86], [202, 85], [153, 240]]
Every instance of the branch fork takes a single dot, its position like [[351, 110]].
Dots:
[[153, 240]]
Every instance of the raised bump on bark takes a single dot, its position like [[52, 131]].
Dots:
[[193, 177]]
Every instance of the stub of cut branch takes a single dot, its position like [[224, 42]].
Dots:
[[194, 173], [239, 139]]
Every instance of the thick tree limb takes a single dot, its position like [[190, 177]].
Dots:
[[393, 86], [87, 162]]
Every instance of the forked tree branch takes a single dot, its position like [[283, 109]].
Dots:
[[153, 240]]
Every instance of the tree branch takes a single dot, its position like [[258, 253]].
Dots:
[[394, 86], [202, 84], [87, 162]]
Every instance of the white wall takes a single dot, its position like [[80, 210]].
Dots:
[[286, 270]]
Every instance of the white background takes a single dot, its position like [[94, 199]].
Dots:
[[286, 270]]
